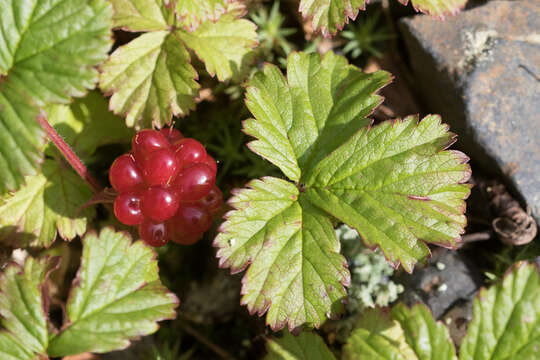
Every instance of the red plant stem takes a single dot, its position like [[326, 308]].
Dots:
[[69, 154]]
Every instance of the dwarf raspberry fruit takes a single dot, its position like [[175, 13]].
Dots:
[[166, 186]]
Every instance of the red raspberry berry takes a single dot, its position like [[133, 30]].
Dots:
[[124, 174], [157, 178], [189, 151], [147, 141], [213, 200], [160, 167], [172, 134], [154, 234], [194, 182], [159, 204], [127, 208]]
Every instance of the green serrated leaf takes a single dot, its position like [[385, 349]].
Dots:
[[141, 15], [429, 339], [506, 318], [22, 308], [87, 124], [48, 203], [222, 45], [377, 336], [194, 12], [397, 187], [10, 349], [439, 8], [329, 16], [151, 79], [49, 49], [296, 271], [300, 119], [394, 183], [116, 296], [306, 346], [21, 138]]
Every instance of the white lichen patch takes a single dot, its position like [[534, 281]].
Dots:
[[477, 46]]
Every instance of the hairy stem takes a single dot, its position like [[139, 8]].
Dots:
[[69, 154]]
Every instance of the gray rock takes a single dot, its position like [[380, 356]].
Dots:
[[457, 319], [447, 279], [481, 71]]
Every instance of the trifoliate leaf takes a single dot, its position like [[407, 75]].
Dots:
[[21, 138], [222, 45], [429, 339], [506, 318], [306, 346], [193, 12], [439, 8], [48, 203], [151, 79], [23, 308], [48, 49], [141, 15], [329, 16], [377, 336], [116, 296], [394, 183], [296, 271], [87, 124]]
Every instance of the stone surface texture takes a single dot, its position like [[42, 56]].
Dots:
[[448, 279], [481, 71]]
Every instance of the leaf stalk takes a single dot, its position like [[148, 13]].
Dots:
[[68, 153]]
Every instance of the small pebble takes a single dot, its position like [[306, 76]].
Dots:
[[440, 266], [442, 288]]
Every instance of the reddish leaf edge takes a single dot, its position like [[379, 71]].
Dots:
[[261, 310], [348, 15], [441, 16], [352, 14]]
